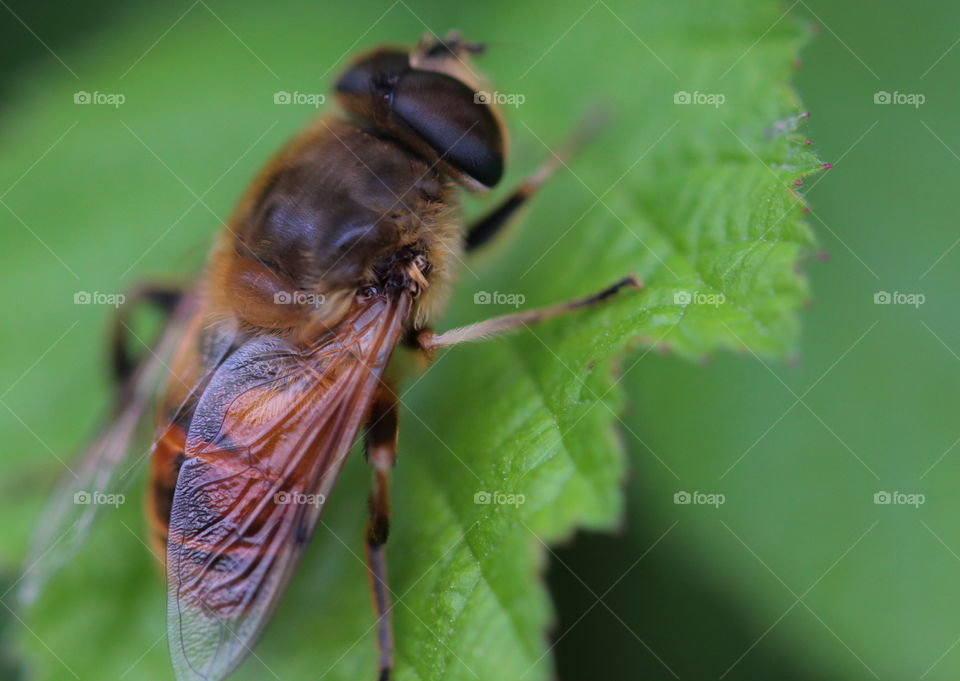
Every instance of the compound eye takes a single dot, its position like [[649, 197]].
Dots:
[[375, 74], [452, 119]]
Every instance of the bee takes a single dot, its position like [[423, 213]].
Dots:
[[275, 360]]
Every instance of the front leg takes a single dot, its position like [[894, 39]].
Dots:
[[381, 452], [489, 225]]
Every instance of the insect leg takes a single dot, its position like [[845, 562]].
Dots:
[[430, 341], [488, 226], [123, 362], [381, 451]]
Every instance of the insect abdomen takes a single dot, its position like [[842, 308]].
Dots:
[[168, 457]]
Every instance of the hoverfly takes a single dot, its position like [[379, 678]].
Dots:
[[342, 250]]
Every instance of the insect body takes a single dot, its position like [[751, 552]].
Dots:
[[342, 249]]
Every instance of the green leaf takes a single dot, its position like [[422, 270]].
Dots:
[[698, 200]]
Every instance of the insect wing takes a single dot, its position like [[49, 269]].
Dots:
[[66, 520], [266, 444]]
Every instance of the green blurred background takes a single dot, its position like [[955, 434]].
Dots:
[[799, 575]]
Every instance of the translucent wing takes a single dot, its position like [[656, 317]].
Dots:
[[66, 520], [265, 446]]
